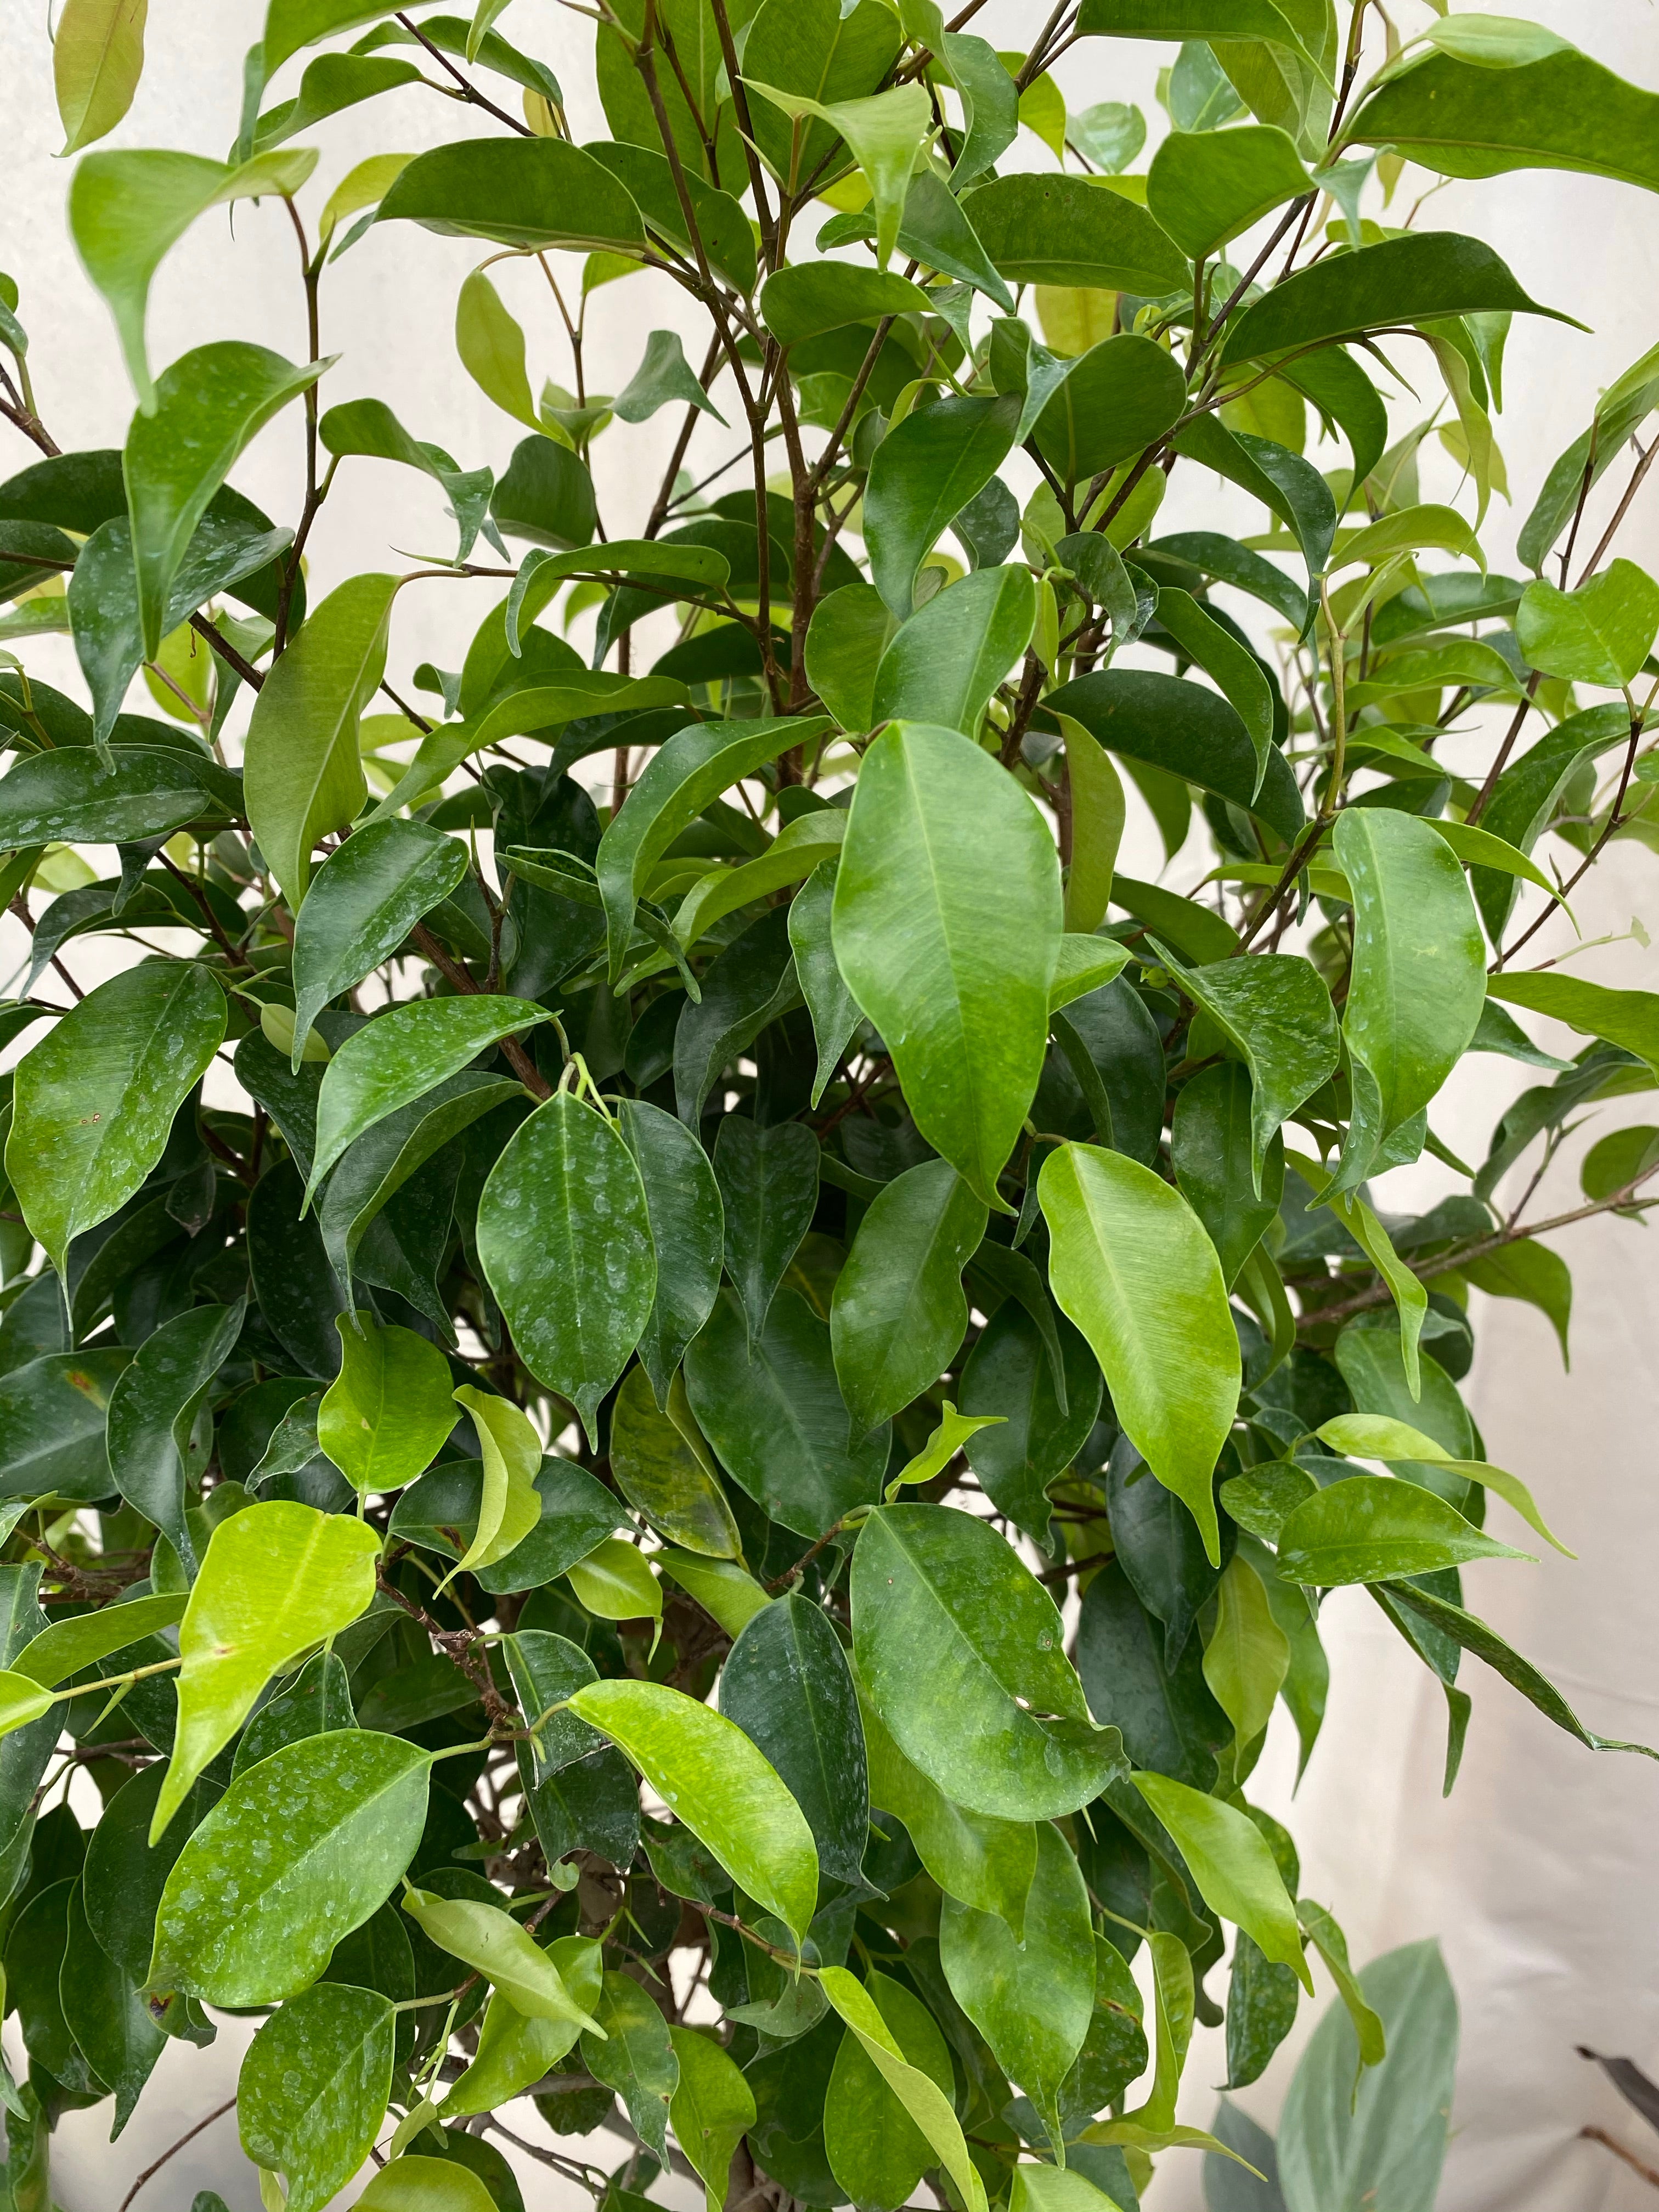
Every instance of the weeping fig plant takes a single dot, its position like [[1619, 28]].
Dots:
[[678, 1382]]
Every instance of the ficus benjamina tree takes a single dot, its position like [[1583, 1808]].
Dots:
[[679, 1384]]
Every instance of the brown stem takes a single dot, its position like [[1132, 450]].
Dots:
[[459, 1647], [201, 898], [26, 420], [468, 91], [457, 977], [1482, 797], [1614, 821], [189, 2135], [1619, 512], [1601, 2135], [226, 652], [665, 498]]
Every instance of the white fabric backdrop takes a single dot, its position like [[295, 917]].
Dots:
[[1537, 1874]]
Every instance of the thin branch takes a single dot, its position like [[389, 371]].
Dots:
[[457, 977], [468, 91], [189, 2135], [1601, 2135], [1619, 512]]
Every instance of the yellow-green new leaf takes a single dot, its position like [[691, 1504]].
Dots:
[[1248, 1654], [1233, 1866], [490, 1940], [1134, 1268], [388, 1413], [21, 1700], [713, 1780], [97, 59], [614, 1581], [710, 2110], [920, 2096], [509, 1505], [302, 772], [1373, 1436], [277, 1578]]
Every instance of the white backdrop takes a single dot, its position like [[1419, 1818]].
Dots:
[[1537, 1876]]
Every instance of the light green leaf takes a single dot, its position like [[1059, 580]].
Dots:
[[1411, 530], [94, 1101], [724, 1590], [97, 59], [694, 767], [897, 1316], [715, 1782], [1097, 818], [400, 1056], [276, 1579], [920, 2094], [614, 1581], [412, 2184], [1134, 1268], [663, 377], [876, 2152], [1248, 1654], [1232, 1864], [516, 2049], [369, 427], [815, 296], [959, 1649], [953, 964], [510, 1505], [1600, 634], [127, 211], [312, 2089], [1086, 964], [386, 1415], [953, 1432], [850, 630], [531, 193], [946, 661], [795, 853], [301, 770], [710, 2110], [491, 347], [658, 1471], [21, 1700], [1371, 1436], [1627, 1019], [884, 133], [564, 1239], [1373, 1528], [487, 1939], [833, 1009], [68, 1646], [1419, 975], [362, 903], [983, 1863], [1206, 186], [1404, 1288], [303, 1847]]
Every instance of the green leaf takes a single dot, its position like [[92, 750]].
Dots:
[[1533, 1273], [331, 82], [1408, 279], [884, 133], [897, 1316], [1371, 1436], [682, 777], [362, 903], [275, 1578], [1086, 964], [615, 1583], [1372, 1528], [69, 1646], [1600, 634], [1071, 231], [412, 2184], [208, 406], [768, 1184], [982, 1862], [302, 773], [723, 1589], [716, 1783], [1563, 111], [491, 345], [1419, 975], [1276, 1012], [1620, 412], [153, 1410], [95, 1098], [1031, 2000], [786, 1684], [312, 2089], [515, 2050], [711, 2107], [1133, 1268], [546, 495], [1212, 1152], [564, 1238], [663, 377], [369, 427], [509, 1504], [945, 662], [775, 1416], [850, 630], [127, 211], [386, 1415], [1168, 1716], [487, 1938], [531, 193], [959, 1649], [1187, 730], [1236, 671], [660, 1473], [102, 2009], [1404, 1288], [728, 237], [72, 795], [923, 473], [795, 853], [1040, 1409], [1232, 1865], [636, 2058], [682, 1202], [1629, 1019], [877, 2153], [833, 1009], [52, 1415], [920, 2094], [303, 1847], [97, 59], [1205, 187], [401, 1056], [1247, 1655], [21, 1700], [953, 967]]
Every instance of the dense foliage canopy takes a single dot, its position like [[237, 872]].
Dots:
[[678, 1383]]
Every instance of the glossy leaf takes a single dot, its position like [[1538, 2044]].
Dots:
[[94, 1099], [516, 2049], [1276, 1012], [301, 1848], [710, 2110], [1009, 1375], [1372, 1528], [920, 2094], [715, 1782], [1600, 633], [876, 2152], [924, 472], [682, 1202], [153, 1410], [1133, 1268], [786, 1684], [487, 1938], [898, 1315], [959, 1650], [525, 192], [1064, 230], [273, 1579], [312, 2089], [1168, 1715], [768, 1185], [635, 2058], [831, 1005], [1205, 187], [384, 1418], [1232, 1865], [946, 661], [365, 899], [564, 1237], [660, 1473]]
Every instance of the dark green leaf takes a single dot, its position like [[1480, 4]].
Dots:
[[786, 1684], [683, 1201], [525, 192], [898, 1315]]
